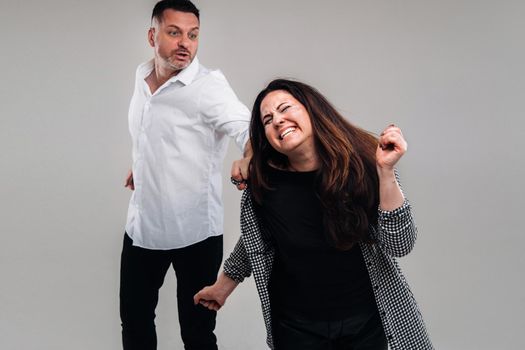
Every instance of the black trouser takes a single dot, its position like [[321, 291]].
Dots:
[[361, 332], [142, 273]]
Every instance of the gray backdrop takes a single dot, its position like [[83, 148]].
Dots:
[[450, 73]]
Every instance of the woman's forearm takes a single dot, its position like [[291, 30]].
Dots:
[[225, 284], [390, 195]]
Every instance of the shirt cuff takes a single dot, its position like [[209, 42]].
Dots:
[[399, 212], [232, 273]]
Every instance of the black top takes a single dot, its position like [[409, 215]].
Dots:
[[311, 278]]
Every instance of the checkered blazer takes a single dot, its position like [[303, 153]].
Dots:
[[395, 236]]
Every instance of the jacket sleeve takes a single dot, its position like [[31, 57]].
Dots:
[[396, 230], [238, 266]]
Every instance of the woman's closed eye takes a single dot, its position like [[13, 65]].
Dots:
[[267, 119]]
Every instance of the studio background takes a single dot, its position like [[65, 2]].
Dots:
[[450, 73]]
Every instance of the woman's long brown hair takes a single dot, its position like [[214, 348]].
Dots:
[[348, 185]]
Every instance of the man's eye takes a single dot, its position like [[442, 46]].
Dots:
[[193, 36], [174, 33]]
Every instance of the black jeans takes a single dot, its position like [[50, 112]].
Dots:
[[142, 273], [361, 332]]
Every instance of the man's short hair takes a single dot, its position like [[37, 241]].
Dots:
[[177, 5]]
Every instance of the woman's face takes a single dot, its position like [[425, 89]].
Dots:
[[287, 125]]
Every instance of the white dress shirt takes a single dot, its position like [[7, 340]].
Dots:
[[180, 137]]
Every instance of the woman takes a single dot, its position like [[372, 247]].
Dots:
[[321, 222]]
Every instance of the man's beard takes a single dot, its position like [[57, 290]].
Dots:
[[174, 64]]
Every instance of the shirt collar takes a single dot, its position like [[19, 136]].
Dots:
[[185, 76]]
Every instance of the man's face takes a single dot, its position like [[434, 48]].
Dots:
[[175, 39]]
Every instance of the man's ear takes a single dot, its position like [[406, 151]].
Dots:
[[151, 36]]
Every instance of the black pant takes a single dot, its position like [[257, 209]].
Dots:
[[360, 332], [142, 273]]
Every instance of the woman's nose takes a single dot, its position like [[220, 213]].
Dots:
[[278, 120]]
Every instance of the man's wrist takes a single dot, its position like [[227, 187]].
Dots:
[[248, 153]]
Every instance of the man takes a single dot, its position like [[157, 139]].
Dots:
[[180, 117]]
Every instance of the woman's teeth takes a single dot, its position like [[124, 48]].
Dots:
[[286, 132]]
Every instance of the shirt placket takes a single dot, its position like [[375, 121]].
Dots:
[[142, 141]]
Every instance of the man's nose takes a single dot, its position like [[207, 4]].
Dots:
[[183, 42]]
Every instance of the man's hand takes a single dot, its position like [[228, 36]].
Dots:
[[241, 168], [240, 172], [129, 181]]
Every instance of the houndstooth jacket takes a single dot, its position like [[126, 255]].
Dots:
[[395, 236]]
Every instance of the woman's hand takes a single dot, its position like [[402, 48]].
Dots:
[[213, 297], [391, 147]]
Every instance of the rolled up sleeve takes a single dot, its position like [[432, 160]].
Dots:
[[224, 111]]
